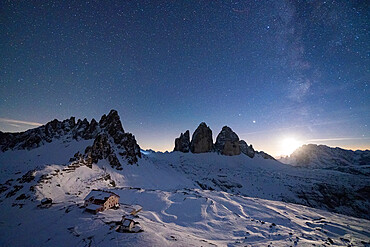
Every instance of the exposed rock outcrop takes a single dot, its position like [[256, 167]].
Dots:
[[227, 142], [111, 132], [102, 149], [182, 143], [131, 150], [245, 149], [202, 141], [112, 124], [126, 142]]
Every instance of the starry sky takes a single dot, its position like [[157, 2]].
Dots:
[[268, 69]]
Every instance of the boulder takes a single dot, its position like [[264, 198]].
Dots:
[[245, 149], [182, 143], [202, 140], [46, 201], [227, 142]]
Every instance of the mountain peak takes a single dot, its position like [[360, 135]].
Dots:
[[202, 141], [182, 143], [109, 125], [227, 142], [322, 156]]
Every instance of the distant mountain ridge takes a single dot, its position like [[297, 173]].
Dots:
[[105, 132], [324, 157]]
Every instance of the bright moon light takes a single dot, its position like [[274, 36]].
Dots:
[[289, 145]]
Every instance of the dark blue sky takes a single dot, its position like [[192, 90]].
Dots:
[[268, 69]]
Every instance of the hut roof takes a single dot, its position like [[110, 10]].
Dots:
[[100, 195], [93, 207]]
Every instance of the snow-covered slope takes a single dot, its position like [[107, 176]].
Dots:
[[176, 210], [181, 218], [324, 157], [57, 152], [188, 199]]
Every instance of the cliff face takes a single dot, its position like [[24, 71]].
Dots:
[[182, 143], [202, 141], [227, 142]]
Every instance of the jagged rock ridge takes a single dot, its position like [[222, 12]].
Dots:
[[245, 149], [34, 138], [182, 143], [110, 138]]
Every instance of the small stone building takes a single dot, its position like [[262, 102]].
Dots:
[[100, 200], [129, 225]]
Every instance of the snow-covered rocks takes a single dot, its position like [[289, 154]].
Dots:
[[126, 143], [46, 201], [102, 149]]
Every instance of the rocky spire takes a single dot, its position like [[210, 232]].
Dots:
[[245, 149], [182, 143], [111, 128], [112, 124], [202, 141], [227, 142]]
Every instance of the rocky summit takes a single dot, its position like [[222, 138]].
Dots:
[[182, 143], [202, 141], [227, 142]]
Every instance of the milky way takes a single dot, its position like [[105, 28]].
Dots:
[[267, 69]]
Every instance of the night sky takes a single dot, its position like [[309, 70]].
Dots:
[[268, 69]]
